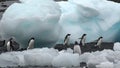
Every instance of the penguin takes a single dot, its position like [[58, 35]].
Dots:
[[77, 48], [67, 38], [99, 41], [83, 39], [9, 45], [31, 43]]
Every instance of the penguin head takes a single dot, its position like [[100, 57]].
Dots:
[[11, 39], [84, 34], [68, 34], [32, 38], [76, 43], [101, 37]]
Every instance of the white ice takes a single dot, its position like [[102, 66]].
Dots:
[[32, 18], [49, 21], [64, 58], [116, 46], [92, 17]]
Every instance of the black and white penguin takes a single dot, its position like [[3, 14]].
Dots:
[[9, 45], [77, 48], [67, 38], [83, 39], [31, 43], [99, 41]]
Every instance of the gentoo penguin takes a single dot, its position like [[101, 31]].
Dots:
[[9, 45], [77, 48], [67, 38], [31, 43], [99, 41], [83, 39]]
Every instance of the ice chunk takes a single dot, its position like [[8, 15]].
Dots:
[[92, 17], [66, 59], [105, 65], [42, 59], [11, 59], [96, 60], [117, 65], [116, 46], [39, 19], [32, 18]]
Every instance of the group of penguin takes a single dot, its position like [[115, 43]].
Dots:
[[77, 46], [12, 45]]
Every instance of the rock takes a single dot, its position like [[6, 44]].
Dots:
[[89, 47], [2, 43]]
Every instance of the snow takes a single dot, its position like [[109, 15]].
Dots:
[[106, 65], [40, 57], [67, 59], [116, 46], [49, 21], [64, 58]]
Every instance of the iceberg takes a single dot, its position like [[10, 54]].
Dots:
[[93, 17], [49, 21], [116, 46], [31, 18]]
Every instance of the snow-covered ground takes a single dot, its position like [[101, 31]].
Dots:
[[64, 58]]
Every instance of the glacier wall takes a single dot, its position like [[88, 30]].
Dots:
[[50, 21]]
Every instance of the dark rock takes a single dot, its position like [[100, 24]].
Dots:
[[89, 47], [118, 1], [3, 47], [4, 5], [82, 64], [2, 10], [2, 43], [22, 49], [15, 45]]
